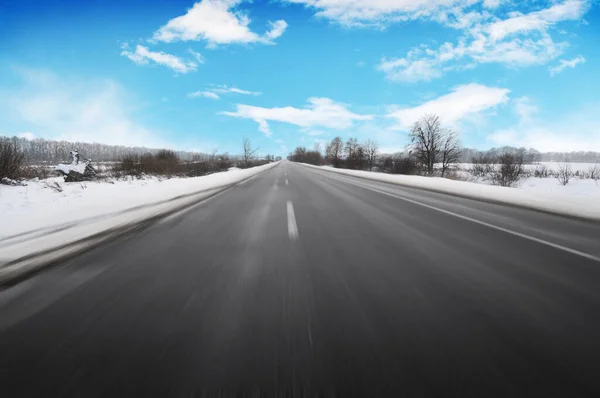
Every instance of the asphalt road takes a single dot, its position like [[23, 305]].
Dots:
[[308, 283]]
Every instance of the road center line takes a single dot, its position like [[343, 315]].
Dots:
[[287, 182], [291, 217], [508, 231]]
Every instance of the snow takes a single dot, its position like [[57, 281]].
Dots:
[[579, 198], [66, 168], [552, 166], [49, 213]]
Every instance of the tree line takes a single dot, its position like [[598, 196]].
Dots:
[[433, 150], [40, 150]]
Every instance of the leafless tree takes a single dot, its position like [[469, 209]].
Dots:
[[594, 172], [371, 150], [353, 154], [565, 172], [334, 151], [482, 166], [11, 159], [425, 137], [431, 144], [508, 169], [451, 150], [249, 152]]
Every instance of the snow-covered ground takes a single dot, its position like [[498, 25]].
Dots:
[[577, 186], [48, 219], [553, 166], [581, 199], [51, 202]]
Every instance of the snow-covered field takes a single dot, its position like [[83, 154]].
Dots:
[[544, 195], [553, 166], [577, 186]]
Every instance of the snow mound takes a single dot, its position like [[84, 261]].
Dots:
[[67, 168]]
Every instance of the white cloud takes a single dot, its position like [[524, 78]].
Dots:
[[88, 110], [563, 132], [142, 55], [224, 89], [216, 22], [197, 56], [464, 101], [538, 20], [381, 12], [279, 141], [320, 112], [411, 69], [27, 135], [492, 3], [564, 136], [204, 94], [215, 92], [276, 29], [563, 64], [518, 40], [525, 108]]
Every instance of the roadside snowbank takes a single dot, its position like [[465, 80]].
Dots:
[[582, 206], [46, 215], [41, 205]]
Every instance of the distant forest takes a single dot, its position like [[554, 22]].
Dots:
[[47, 151], [532, 155]]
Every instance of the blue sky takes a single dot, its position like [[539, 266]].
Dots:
[[198, 76]]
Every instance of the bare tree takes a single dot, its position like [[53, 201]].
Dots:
[[431, 144], [352, 154], [334, 151], [482, 166], [11, 159], [371, 150], [508, 170], [451, 151], [249, 152], [426, 139], [594, 172], [565, 172]]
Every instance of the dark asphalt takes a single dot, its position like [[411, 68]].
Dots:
[[375, 296]]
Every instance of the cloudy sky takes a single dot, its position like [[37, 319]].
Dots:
[[198, 76]]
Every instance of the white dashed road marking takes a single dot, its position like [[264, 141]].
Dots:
[[291, 217]]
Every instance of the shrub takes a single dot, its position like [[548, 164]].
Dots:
[[482, 166], [594, 172], [541, 171], [11, 159], [30, 172], [565, 173], [399, 165], [508, 170]]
